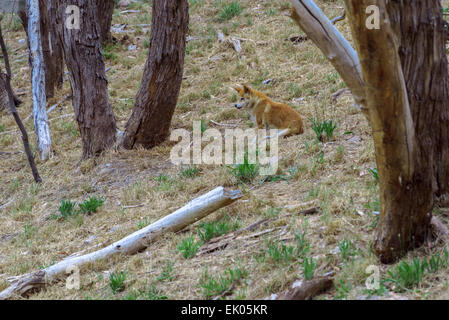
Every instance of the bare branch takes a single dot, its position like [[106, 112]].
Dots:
[[334, 46]]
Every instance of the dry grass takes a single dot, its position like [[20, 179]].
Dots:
[[334, 175]]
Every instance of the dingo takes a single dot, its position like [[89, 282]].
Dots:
[[268, 113]]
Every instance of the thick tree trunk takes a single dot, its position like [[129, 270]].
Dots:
[[82, 53], [157, 97], [105, 9], [405, 68]]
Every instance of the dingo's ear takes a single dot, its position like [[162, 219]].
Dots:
[[246, 88], [237, 88]]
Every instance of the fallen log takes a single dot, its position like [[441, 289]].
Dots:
[[133, 243]]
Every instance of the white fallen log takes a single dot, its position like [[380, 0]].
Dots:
[[139, 240], [127, 11], [38, 81]]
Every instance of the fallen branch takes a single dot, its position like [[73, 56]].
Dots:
[[297, 39], [308, 289], [53, 106], [339, 93], [236, 44], [134, 206], [127, 11], [234, 41], [6, 204], [61, 117], [222, 242], [139, 240], [231, 125]]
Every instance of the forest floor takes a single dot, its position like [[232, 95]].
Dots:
[[140, 186]]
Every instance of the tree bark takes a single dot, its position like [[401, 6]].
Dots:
[[420, 29], [51, 47], [84, 60], [105, 9], [156, 99], [45, 37]]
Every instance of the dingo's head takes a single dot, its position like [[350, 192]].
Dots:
[[244, 93]]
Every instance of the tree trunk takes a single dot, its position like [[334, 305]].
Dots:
[[405, 68], [420, 28], [156, 99], [105, 9], [82, 53], [405, 79], [51, 47], [45, 36], [38, 80]]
